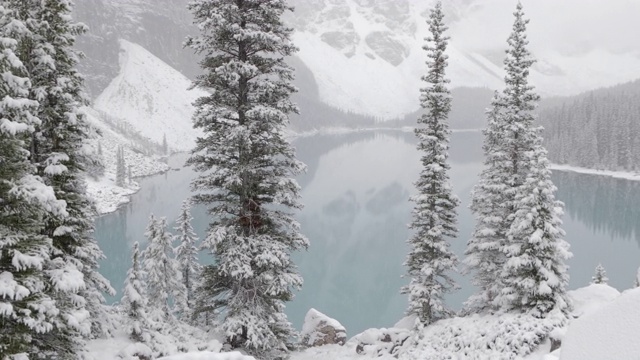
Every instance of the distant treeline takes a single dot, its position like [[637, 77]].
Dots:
[[598, 129]]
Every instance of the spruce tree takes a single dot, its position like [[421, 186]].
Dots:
[[489, 205], [25, 307], [120, 167], [600, 276], [161, 269], [515, 204], [248, 167], [134, 299], [165, 146], [57, 149], [187, 258], [430, 259]]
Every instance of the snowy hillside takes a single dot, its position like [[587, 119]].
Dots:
[[152, 97], [103, 190], [367, 55]]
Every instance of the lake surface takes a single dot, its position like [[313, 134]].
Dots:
[[356, 194]]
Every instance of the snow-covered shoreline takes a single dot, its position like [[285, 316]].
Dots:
[[626, 175]]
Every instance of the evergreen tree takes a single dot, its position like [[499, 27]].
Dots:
[[57, 149], [187, 258], [600, 276], [120, 167], [488, 204], [637, 282], [162, 274], [134, 299], [247, 167], [25, 308], [515, 203], [165, 146], [434, 216]]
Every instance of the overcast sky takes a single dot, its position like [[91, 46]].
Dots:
[[563, 25]]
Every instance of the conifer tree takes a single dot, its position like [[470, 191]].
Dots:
[[600, 276], [434, 216], [187, 258], [120, 167], [58, 152], [514, 202], [248, 167], [134, 299], [488, 204], [165, 146], [161, 269], [25, 307]]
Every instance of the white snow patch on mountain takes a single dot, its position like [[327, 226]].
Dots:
[[152, 97]]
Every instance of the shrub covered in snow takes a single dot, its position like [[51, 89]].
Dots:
[[508, 336], [205, 355]]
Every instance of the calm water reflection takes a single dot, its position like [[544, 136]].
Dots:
[[356, 210]]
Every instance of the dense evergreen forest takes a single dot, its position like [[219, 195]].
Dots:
[[598, 129]]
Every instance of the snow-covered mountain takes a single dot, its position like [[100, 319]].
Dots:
[[152, 98], [366, 57]]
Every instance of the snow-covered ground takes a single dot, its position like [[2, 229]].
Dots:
[[604, 325], [103, 190]]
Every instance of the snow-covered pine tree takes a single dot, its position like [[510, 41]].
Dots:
[[488, 204], [165, 146], [526, 225], [188, 262], [535, 274], [161, 269], [430, 258], [637, 282], [120, 167], [25, 308], [600, 276], [248, 167], [57, 149], [134, 299]]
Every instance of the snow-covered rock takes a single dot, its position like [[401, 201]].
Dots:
[[610, 332], [378, 342], [152, 98], [319, 330], [206, 355]]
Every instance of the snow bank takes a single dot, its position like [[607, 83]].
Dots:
[[206, 355], [591, 298], [612, 332]]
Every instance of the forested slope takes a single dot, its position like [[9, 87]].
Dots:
[[598, 129]]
